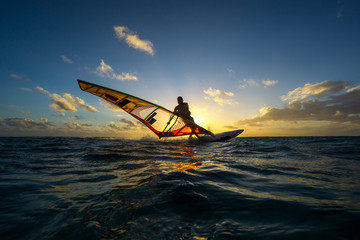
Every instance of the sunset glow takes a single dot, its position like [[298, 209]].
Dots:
[[272, 68]]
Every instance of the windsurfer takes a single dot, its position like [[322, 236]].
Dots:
[[182, 110]]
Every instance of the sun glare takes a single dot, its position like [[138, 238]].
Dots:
[[198, 121]]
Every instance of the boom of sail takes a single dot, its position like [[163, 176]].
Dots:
[[161, 121]]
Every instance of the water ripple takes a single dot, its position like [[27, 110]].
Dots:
[[252, 188]]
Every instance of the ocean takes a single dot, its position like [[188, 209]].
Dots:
[[244, 188]]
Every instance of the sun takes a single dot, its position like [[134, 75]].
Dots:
[[198, 121]]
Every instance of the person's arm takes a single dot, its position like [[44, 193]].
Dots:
[[176, 109]]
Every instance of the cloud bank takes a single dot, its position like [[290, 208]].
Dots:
[[133, 40], [77, 126], [29, 127], [324, 102], [124, 125], [318, 90], [104, 70], [26, 123], [66, 102]]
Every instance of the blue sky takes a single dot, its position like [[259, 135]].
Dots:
[[274, 68]]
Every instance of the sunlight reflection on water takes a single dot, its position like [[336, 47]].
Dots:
[[249, 187]]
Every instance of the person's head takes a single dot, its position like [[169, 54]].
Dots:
[[180, 100]]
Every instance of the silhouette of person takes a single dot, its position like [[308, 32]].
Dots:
[[182, 110]]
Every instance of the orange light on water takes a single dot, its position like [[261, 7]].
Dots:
[[183, 167]]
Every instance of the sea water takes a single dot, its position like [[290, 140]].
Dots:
[[244, 188]]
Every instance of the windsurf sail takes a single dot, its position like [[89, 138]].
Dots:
[[161, 121]]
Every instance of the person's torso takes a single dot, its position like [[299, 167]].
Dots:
[[183, 110]]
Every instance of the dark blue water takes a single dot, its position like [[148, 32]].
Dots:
[[246, 188]]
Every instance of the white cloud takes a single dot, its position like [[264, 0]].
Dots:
[[26, 89], [65, 59], [104, 70], [250, 82], [354, 89], [222, 101], [268, 83], [317, 90], [216, 92], [331, 104], [66, 103], [42, 90], [20, 76], [61, 104], [133, 40], [79, 102], [218, 96]]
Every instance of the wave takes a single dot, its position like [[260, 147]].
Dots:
[[255, 188]]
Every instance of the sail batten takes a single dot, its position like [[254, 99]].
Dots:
[[161, 121]]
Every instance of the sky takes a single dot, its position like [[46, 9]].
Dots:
[[271, 67]]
